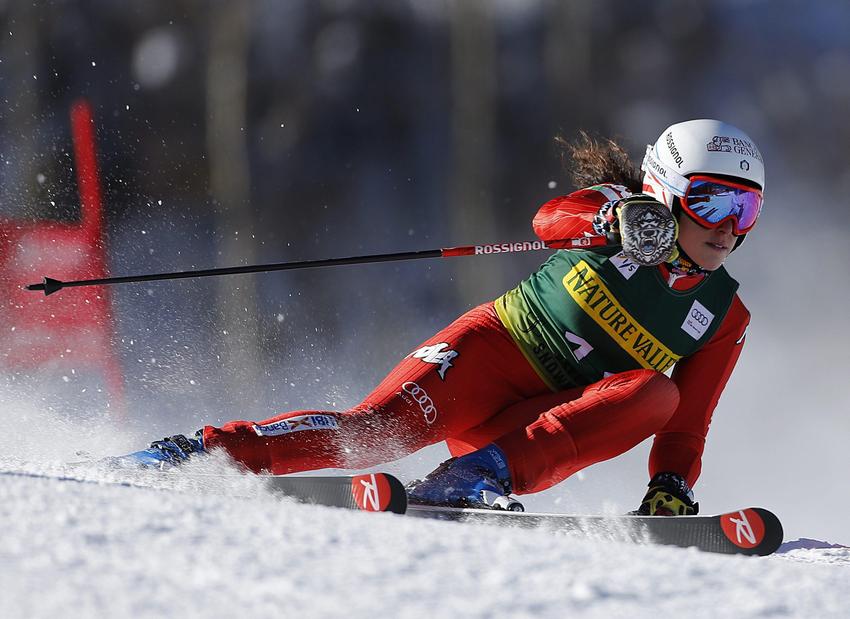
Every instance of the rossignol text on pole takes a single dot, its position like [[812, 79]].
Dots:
[[50, 285]]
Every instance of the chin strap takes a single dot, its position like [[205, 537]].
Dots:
[[682, 265]]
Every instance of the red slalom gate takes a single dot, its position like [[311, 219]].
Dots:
[[75, 331]]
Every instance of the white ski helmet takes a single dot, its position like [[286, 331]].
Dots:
[[698, 147]]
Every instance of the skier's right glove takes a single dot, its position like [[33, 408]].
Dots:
[[668, 495], [645, 227]]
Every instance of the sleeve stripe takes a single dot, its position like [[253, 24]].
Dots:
[[608, 192]]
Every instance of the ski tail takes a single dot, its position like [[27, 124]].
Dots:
[[372, 492], [752, 531]]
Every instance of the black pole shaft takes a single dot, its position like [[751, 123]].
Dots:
[[49, 286]]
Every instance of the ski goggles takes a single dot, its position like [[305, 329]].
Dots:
[[712, 201], [708, 200]]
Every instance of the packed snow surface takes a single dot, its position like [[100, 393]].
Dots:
[[192, 543]]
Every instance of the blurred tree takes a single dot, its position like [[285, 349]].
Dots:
[[21, 57], [227, 68], [567, 58], [473, 124]]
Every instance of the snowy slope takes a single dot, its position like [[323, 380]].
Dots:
[[190, 546]]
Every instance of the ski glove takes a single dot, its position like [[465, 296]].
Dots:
[[668, 495], [645, 227]]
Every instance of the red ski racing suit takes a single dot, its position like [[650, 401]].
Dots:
[[562, 372]]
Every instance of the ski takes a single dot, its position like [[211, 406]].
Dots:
[[750, 531], [373, 492], [370, 492]]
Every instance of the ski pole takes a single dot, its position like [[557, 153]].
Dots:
[[49, 285]]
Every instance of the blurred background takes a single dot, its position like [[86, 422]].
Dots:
[[231, 133]]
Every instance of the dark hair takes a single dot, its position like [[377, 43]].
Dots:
[[591, 161]]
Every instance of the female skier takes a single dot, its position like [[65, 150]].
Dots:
[[568, 368]]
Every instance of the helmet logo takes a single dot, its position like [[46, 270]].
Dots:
[[726, 144], [673, 150], [656, 167], [745, 165], [720, 144]]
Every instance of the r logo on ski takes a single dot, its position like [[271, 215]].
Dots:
[[371, 496], [743, 529]]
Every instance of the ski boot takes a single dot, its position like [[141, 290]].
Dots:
[[480, 479], [170, 451], [668, 495]]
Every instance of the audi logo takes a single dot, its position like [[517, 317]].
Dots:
[[420, 396], [699, 317]]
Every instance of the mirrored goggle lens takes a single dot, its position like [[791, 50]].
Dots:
[[713, 202]]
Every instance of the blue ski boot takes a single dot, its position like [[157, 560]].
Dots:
[[170, 451], [480, 479]]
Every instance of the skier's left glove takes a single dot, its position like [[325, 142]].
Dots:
[[668, 495], [645, 228]]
